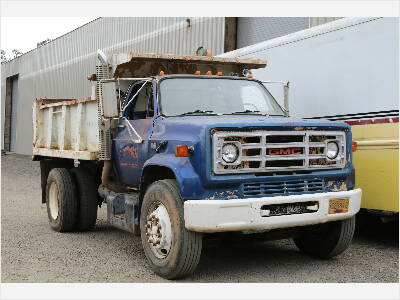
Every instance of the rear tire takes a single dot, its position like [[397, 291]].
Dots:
[[178, 250], [87, 199], [326, 240], [61, 200]]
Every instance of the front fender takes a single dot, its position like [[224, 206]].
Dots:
[[188, 181]]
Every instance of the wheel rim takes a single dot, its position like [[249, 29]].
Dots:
[[53, 200], [159, 231]]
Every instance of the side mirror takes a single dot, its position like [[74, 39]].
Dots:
[[109, 101]]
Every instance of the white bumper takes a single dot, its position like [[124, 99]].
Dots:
[[245, 214]]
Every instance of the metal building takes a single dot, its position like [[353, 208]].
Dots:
[[254, 30], [58, 69]]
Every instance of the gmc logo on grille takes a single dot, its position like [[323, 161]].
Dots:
[[284, 151]]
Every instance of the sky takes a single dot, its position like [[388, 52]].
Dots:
[[23, 33]]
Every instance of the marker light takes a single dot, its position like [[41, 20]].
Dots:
[[354, 146], [209, 73], [162, 73], [182, 151], [249, 75], [219, 73], [197, 73]]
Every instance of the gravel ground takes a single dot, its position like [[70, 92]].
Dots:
[[32, 252]]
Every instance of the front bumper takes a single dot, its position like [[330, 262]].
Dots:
[[245, 214]]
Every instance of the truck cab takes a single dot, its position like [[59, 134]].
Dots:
[[194, 145]]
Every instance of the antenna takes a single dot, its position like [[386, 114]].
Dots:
[[102, 57]]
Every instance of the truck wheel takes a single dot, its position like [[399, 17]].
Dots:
[[326, 240], [172, 251], [60, 200], [87, 199]]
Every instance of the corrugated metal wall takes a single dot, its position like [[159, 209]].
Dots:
[[59, 68], [315, 21], [254, 30]]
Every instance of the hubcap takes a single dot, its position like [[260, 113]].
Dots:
[[53, 200], [158, 231]]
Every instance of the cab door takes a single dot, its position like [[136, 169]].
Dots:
[[129, 154]]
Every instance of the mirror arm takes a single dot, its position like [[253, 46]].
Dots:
[[133, 97], [130, 127], [285, 94]]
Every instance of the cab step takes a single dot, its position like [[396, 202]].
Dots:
[[122, 209]]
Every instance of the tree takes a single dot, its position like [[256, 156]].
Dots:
[[39, 44], [16, 53], [4, 58]]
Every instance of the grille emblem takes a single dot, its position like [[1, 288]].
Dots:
[[284, 151]]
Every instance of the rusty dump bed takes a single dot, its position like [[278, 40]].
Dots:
[[144, 65], [65, 128]]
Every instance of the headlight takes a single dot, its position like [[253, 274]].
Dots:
[[332, 150], [230, 153]]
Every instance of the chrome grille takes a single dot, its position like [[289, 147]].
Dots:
[[267, 151], [282, 188]]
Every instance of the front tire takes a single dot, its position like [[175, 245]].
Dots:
[[326, 240], [171, 250], [60, 200]]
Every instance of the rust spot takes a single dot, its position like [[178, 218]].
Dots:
[[321, 162], [47, 102], [141, 65], [226, 194], [343, 186]]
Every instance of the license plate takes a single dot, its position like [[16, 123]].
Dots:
[[338, 206]]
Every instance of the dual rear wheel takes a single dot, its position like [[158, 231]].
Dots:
[[71, 200]]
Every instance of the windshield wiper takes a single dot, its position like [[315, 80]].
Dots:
[[198, 111], [247, 111], [251, 112]]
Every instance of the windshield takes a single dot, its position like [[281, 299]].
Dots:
[[216, 96]]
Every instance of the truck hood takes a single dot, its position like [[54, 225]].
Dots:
[[248, 120], [190, 128]]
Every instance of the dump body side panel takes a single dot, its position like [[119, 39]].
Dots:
[[65, 128]]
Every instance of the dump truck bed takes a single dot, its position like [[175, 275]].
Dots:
[[65, 128]]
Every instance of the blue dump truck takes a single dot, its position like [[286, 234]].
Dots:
[[181, 147]]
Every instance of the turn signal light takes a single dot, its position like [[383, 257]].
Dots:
[[197, 73], [182, 151], [209, 73], [354, 146], [249, 75], [162, 73], [219, 73]]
